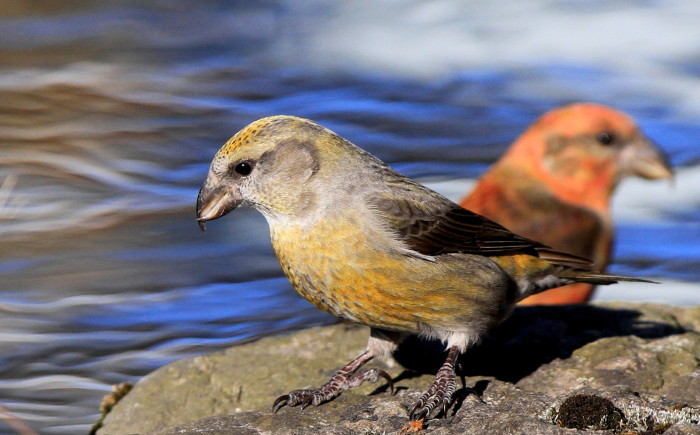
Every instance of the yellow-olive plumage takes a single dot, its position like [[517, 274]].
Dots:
[[366, 244]]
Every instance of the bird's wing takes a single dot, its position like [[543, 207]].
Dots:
[[432, 225]]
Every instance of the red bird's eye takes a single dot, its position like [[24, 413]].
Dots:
[[605, 138]]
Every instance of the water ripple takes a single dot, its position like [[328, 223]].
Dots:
[[111, 111]]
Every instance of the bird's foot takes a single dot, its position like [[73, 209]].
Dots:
[[344, 379], [440, 391]]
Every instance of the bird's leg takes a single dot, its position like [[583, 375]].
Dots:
[[440, 391], [345, 378]]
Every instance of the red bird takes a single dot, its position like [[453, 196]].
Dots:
[[555, 182]]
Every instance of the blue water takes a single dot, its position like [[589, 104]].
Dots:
[[110, 112]]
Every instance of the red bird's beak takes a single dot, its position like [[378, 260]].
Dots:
[[644, 159]]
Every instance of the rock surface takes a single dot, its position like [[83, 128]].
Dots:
[[625, 367]]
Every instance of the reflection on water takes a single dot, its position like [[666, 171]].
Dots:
[[110, 112]]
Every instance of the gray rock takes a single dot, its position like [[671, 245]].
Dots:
[[641, 360]]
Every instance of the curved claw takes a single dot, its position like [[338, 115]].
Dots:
[[345, 378], [414, 414], [416, 405], [281, 401], [388, 379], [420, 405], [421, 415], [440, 391], [429, 401]]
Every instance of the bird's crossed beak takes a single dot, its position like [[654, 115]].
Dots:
[[214, 202], [646, 160]]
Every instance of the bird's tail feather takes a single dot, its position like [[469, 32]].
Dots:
[[572, 276], [598, 278]]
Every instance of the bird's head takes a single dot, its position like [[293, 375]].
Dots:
[[591, 146], [270, 165]]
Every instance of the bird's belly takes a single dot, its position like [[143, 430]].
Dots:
[[359, 291], [348, 278]]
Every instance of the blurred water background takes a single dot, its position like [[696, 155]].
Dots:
[[110, 112]]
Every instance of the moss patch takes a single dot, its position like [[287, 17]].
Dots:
[[584, 411]]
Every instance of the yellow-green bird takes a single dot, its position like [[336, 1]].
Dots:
[[366, 244]]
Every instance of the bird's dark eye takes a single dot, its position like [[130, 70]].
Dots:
[[243, 168], [605, 138]]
